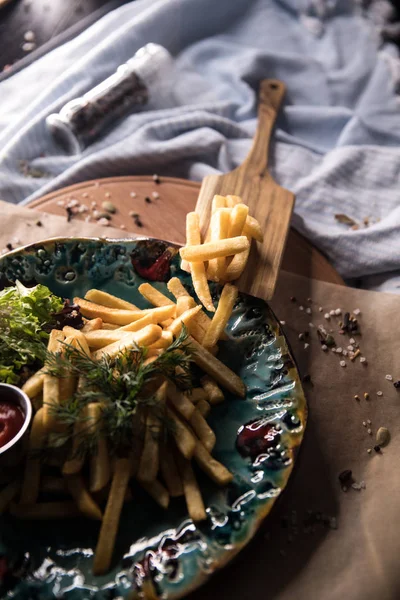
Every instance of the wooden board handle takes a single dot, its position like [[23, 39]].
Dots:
[[270, 98]]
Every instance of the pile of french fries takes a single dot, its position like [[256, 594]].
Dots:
[[224, 254], [163, 468]]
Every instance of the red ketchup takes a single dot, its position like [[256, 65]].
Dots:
[[11, 421], [256, 438]]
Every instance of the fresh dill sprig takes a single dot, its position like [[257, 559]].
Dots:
[[125, 386]]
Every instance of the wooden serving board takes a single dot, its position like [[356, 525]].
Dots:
[[164, 218]]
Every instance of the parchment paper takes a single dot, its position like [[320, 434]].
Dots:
[[298, 553]]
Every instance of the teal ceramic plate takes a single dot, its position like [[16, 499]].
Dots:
[[163, 553]]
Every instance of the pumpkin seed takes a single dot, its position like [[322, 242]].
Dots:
[[383, 436], [108, 206]]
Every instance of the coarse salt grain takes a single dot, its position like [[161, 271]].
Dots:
[[320, 309], [104, 222], [332, 313], [350, 348], [72, 203], [282, 322], [345, 353], [29, 36], [28, 46], [363, 360], [357, 311], [85, 195], [339, 350], [301, 307], [308, 311], [122, 226], [379, 393], [338, 311], [133, 194], [352, 341], [369, 421], [93, 204], [342, 363], [107, 195], [83, 208], [364, 423], [327, 316], [306, 346], [389, 377], [311, 325], [324, 347], [369, 431], [60, 203], [155, 195]]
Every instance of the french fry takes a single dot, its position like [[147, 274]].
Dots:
[[155, 315], [109, 315], [79, 342], [109, 326], [109, 526], [53, 485], [237, 265], [147, 336], [68, 383], [176, 287], [220, 223], [100, 469], [183, 304], [231, 200], [76, 460], [92, 325], [238, 219], [34, 385], [184, 438], [186, 318], [213, 391], [109, 300], [180, 401], [214, 469], [203, 430], [153, 296], [85, 503], [31, 478], [169, 472], [253, 229], [217, 370], [198, 394], [217, 202], [224, 310], [51, 388], [203, 407], [198, 270], [164, 340], [194, 501], [8, 493], [44, 511], [149, 461], [100, 338], [158, 492], [37, 402], [212, 250]]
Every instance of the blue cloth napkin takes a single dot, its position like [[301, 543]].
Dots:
[[337, 139]]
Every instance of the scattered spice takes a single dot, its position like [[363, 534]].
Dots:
[[383, 436], [292, 299], [377, 448], [356, 353], [344, 219], [356, 397], [9, 246], [369, 450], [70, 213], [366, 396], [108, 206], [397, 384], [306, 378], [148, 200], [39, 224], [156, 178], [346, 477]]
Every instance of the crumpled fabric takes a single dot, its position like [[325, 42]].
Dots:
[[337, 137]]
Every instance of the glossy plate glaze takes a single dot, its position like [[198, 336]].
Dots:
[[163, 553]]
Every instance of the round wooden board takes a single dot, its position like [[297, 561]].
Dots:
[[164, 218]]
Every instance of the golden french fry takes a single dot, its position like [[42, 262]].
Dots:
[[183, 304], [8, 493], [198, 394], [203, 430], [214, 469], [109, 326], [157, 491], [220, 223], [109, 526], [79, 342], [176, 287], [34, 385], [100, 469], [84, 501], [100, 338], [154, 315], [76, 460], [203, 407], [153, 296], [184, 439], [237, 264], [191, 490], [110, 315], [180, 401], [92, 325], [212, 250], [44, 511], [224, 310], [31, 478], [109, 300], [238, 219], [253, 229], [231, 200], [217, 202], [164, 341], [213, 391], [51, 388], [214, 367], [169, 472], [198, 270], [149, 461], [186, 318], [145, 337]]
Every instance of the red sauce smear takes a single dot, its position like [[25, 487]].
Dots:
[[256, 438], [158, 271], [11, 421]]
